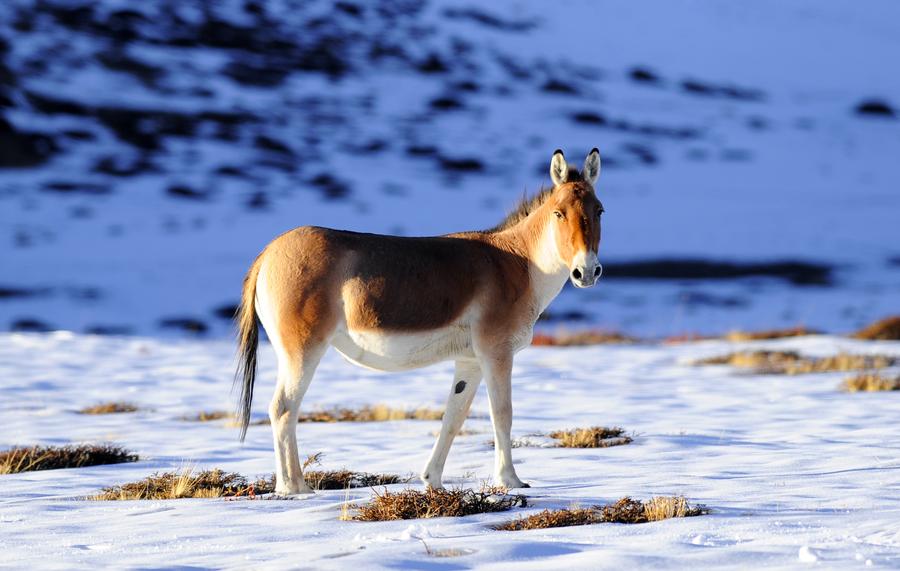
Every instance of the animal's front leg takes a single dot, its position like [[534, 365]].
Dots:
[[465, 383], [498, 378]]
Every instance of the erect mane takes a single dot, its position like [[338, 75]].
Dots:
[[529, 204]]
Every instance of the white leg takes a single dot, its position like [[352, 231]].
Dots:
[[294, 376], [498, 378], [466, 379]]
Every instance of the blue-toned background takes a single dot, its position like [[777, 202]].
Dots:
[[148, 150]]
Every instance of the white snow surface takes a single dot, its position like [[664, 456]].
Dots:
[[795, 472]]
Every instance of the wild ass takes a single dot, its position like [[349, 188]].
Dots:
[[391, 303]]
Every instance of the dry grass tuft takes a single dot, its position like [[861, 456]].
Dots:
[[769, 334], [109, 408], [217, 483], [186, 484], [791, 363], [368, 413], [552, 518], [581, 338], [413, 504], [593, 437], [210, 415], [871, 382], [625, 510], [33, 458], [887, 329]]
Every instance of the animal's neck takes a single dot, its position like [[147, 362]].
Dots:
[[537, 238]]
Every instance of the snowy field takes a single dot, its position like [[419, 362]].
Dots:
[[795, 471]]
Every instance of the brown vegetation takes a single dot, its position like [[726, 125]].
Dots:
[[553, 518], [33, 458], [887, 329], [217, 483], [626, 510], [791, 363], [109, 408], [413, 504], [581, 338], [871, 382], [210, 415], [769, 334], [368, 413], [593, 437]]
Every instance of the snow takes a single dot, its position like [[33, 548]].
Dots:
[[795, 471]]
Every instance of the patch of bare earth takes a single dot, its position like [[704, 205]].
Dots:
[[33, 458], [414, 504], [871, 382], [626, 510], [887, 329], [792, 363], [593, 437], [581, 338], [109, 408]]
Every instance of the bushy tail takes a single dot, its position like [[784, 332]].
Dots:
[[248, 341]]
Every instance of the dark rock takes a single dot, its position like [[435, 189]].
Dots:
[[559, 86], [258, 71], [227, 311], [699, 298], [120, 61], [697, 87], [795, 272], [421, 150], [331, 187], [644, 75], [66, 187], [875, 108], [79, 135], [30, 325], [589, 118], [273, 145], [11, 292], [259, 200], [432, 64], [183, 191], [22, 149], [124, 165], [489, 20], [445, 104], [108, 330], [187, 324], [349, 8], [461, 164]]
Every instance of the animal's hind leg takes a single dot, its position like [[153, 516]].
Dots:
[[465, 383], [295, 372]]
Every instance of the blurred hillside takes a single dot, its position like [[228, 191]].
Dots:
[[149, 150]]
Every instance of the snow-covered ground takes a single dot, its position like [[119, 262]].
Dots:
[[795, 471]]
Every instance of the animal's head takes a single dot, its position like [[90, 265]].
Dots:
[[575, 210]]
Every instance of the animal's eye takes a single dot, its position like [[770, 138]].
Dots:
[[557, 213]]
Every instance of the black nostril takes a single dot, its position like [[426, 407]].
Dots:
[[576, 273], [596, 271]]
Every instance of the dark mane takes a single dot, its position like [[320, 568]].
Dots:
[[529, 204]]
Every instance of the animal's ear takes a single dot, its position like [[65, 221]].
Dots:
[[559, 170], [591, 170]]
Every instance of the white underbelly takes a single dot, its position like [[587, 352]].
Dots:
[[394, 351]]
